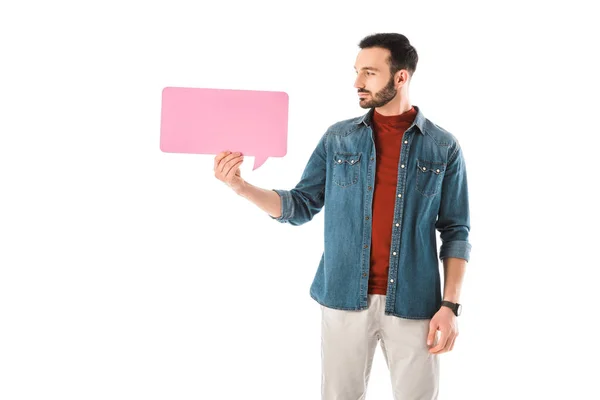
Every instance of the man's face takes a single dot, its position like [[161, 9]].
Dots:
[[374, 82]]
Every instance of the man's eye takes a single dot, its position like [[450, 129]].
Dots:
[[366, 72]]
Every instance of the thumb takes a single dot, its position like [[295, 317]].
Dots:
[[432, 331]]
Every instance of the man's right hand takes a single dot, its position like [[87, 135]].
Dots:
[[227, 169]]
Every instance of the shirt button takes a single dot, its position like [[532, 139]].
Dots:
[[402, 166], [352, 162], [366, 245], [364, 274], [437, 170], [372, 159], [339, 161], [397, 224], [367, 217], [424, 169], [394, 253], [370, 188], [399, 195], [406, 141], [391, 280]]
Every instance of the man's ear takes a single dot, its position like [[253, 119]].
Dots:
[[401, 77]]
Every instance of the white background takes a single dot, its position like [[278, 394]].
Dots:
[[128, 273]]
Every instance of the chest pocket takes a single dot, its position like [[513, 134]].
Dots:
[[429, 177], [346, 168]]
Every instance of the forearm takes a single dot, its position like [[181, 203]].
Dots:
[[267, 200], [454, 271]]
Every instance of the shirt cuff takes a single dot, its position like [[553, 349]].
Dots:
[[286, 205], [456, 248]]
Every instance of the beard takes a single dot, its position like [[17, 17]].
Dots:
[[380, 98]]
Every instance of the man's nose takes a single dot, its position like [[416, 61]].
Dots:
[[358, 83]]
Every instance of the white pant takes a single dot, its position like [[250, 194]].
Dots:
[[348, 342]]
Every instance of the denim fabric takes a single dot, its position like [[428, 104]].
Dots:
[[431, 194]]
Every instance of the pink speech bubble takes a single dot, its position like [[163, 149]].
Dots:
[[209, 121]]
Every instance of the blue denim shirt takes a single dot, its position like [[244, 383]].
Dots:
[[431, 194]]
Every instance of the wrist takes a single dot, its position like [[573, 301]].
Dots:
[[240, 189], [451, 299], [455, 307]]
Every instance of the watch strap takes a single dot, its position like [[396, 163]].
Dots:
[[452, 306]]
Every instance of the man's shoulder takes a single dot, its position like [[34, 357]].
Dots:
[[440, 135], [345, 126]]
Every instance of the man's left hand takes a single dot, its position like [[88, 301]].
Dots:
[[444, 321]]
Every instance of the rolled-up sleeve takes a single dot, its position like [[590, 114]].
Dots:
[[300, 204], [453, 220]]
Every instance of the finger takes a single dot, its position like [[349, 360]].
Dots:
[[453, 341], [451, 346], [228, 165], [232, 170], [448, 343], [219, 157], [431, 335], [441, 343], [218, 160], [223, 164]]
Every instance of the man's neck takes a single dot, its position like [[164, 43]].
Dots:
[[395, 107]]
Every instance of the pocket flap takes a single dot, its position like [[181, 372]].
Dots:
[[435, 167], [349, 158]]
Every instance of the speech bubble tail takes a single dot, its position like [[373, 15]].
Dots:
[[258, 161]]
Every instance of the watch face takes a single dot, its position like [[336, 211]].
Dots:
[[458, 309]]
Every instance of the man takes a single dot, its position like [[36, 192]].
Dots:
[[391, 178]]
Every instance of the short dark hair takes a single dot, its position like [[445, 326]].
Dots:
[[403, 54]]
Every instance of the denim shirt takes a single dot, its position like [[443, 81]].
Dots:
[[431, 193]]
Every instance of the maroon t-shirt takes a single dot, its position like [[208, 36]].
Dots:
[[387, 133]]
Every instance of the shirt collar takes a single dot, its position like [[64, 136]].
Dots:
[[419, 119]]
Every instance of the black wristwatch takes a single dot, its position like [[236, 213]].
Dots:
[[455, 307]]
